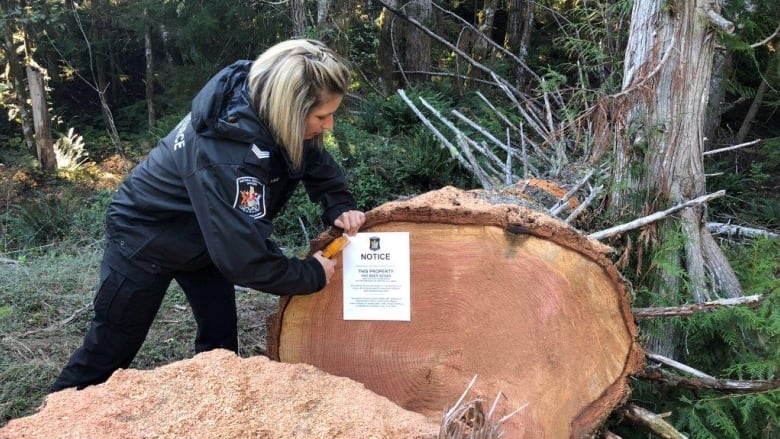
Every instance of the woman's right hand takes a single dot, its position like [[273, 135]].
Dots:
[[328, 265]]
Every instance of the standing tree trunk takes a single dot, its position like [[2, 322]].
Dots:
[[520, 19], [485, 20], [417, 46], [322, 11], [747, 123], [98, 81], [43, 139], [668, 66], [16, 76], [404, 47], [150, 111], [386, 59], [298, 12]]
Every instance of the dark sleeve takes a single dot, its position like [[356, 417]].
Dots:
[[239, 244], [325, 183]]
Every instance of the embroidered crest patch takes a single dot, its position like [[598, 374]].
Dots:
[[250, 196]]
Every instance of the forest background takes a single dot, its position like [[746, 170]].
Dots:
[[537, 81]]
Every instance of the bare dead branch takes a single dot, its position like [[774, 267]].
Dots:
[[679, 366], [584, 205], [718, 20], [441, 40], [650, 421], [730, 148], [490, 42], [637, 223], [454, 151], [702, 380], [767, 39], [8, 261], [691, 309], [53, 327], [737, 231], [489, 154], [754, 386], [523, 139], [563, 201], [469, 420]]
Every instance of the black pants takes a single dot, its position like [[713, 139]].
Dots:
[[126, 303]]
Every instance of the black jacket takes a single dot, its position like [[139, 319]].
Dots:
[[209, 190]]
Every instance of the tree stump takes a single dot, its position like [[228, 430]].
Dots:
[[528, 304]]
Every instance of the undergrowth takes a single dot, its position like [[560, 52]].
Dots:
[[740, 344], [46, 307]]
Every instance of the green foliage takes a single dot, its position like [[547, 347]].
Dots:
[[40, 294], [387, 116], [732, 343], [298, 224], [40, 220], [592, 41], [70, 152], [744, 176], [88, 222]]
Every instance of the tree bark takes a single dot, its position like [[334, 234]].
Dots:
[[298, 12], [43, 139], [386, 59], [528, 304], [150, 111], [520, 19], [668, 66], [16, 76], [417, 46]]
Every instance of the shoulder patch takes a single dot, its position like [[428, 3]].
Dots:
[[259, 153], [250, 196]]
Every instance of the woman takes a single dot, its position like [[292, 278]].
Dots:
[[198, 209]]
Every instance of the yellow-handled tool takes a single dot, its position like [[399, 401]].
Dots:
[[335, 246]]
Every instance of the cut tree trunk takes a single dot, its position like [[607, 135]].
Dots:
[[529, 305]]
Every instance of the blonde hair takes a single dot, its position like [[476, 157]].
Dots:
[[287, 81]]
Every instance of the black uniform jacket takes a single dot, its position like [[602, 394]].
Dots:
[[209, 190]]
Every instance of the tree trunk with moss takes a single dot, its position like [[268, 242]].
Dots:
[[663, 106]]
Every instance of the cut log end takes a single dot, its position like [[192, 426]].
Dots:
[[500, 291]]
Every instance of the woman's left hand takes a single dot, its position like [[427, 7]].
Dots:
[[350, 221]]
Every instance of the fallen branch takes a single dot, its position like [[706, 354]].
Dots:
[[702, 380], [767, 39], [637, 223], [585, 204], [731, 148], [452, 148], [679, 366], [78, 313], [9, 261], [650, 421], [655, 374], [689, 310], [563, 202], [737, 231]]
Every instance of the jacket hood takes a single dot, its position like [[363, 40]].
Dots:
[[223, 108]]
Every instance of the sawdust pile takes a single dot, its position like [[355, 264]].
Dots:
[[216, 394]]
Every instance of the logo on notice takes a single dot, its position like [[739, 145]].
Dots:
[[373, 243]]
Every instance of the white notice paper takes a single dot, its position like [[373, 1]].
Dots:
[[376, 277]]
